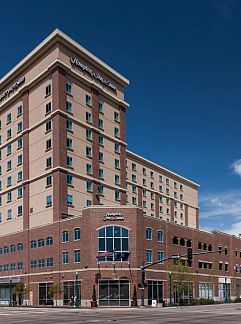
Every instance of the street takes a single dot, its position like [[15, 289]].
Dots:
[[227, 313]]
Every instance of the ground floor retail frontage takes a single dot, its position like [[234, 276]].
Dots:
[[99, 256]]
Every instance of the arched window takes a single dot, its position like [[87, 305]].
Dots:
[[182, 242], [33, 244], [210, 247], [20, 246], [12, 248], [49, 240], [113, 243], [77, 234], [200, 246], [189, 243], [65, 236], [175, 240], [41, 242], [5, 250], [148, 233]]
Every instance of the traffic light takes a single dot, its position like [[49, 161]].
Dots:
[[143, 276], [189, 255]]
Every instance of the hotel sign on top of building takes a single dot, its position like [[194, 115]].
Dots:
[[12, 88], [97, 76], [113, 217]]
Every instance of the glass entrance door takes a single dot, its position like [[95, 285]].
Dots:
[[114, 292], [155, 291]]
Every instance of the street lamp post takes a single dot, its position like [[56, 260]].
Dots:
[[77, 301], [10, 297], [170, 289]]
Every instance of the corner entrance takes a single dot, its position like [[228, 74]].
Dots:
[[114, 292]]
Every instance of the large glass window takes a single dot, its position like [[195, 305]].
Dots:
[[114, 293], [183, 292], [206, 290], [113, 239], [69, 292], [155, 291], [148, 233], [44, 295]]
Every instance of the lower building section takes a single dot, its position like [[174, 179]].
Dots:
[[99, 255]]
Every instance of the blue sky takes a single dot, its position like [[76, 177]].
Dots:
[[183, 59]]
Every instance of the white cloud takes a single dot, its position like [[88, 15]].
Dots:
[[221, 204], [236, 167]]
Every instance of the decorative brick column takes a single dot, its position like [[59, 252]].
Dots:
[[95, 145], [59, 143], [123, 154]]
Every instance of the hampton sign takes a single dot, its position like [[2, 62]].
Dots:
[[11, 89], [113, 217], [85, 68]]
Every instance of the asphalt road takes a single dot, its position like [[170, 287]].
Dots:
[[229, 313]]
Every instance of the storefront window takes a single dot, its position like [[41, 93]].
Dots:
[[69, 292], [45, 297], [114, 239], [183, 292], [206, 290], [155, 291], [114, 293]]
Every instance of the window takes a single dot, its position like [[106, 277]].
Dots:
[[133, 178], [9, 149], [134, 190], [65, 236], [88, 134], [41, 242], [68, 88], [117, 195], [49, 181], [20, 159], [33, 264], [48, 90], [220, 266], [48, 108], [116, 132], [101, 174], [12, 248], [88, 168], [76, 256], [20, 210], [69, 106], [49, 240], [144, 182], [160, 257], [41, 263], [152, 174], [69, 161], [88, 117], [9, 134], [9, 197], [20, 143], [48, 126], [49, 201], [167, 182], [116, 116], [181, 187], [148, 233], [20, 127], [69, 200], [65, 257], [88, 100], [69, 125], [117, 179], [160, 236], [101, 140], [12, 266], [101, 156], [5, 250], [88, 202], [113, 238], [33, 244], [89, 186], [69, 143], [50, 262], [9, 181], [134, 201], [77, 234], [117, 148], [20, 246], [44, 295], [117, 164], [19, 111], [20, 192], [101, 123], [101, 189], [48, 144], [149, 256], [48, 162], [175, 185], [88, 151], [9, 118], [69, 180], [101, 107], [181, 196]]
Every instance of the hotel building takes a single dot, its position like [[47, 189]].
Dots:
[[71, 191]]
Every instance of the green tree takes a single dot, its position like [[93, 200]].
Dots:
[[54, 290], [20, 290]]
